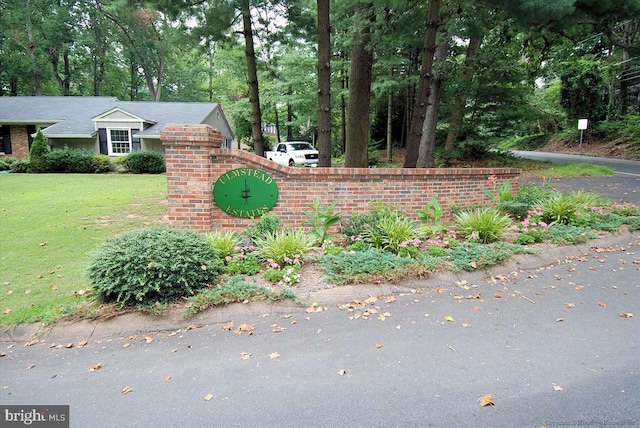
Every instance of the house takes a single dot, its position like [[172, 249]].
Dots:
[[103, 125]]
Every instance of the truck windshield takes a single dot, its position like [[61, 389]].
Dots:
[[302, 146]]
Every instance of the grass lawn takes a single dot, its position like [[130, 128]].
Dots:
[[50, 224]]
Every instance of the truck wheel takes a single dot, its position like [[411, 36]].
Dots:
[[291, 162]]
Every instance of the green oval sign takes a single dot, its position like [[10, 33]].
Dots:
[[245, 192]]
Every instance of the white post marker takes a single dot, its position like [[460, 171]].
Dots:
[[582, 125]]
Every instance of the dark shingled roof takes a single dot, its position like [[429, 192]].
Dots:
[[73, 116]]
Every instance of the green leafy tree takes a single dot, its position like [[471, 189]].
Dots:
[[583, 91]]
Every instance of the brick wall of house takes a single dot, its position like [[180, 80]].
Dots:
[[19, 142], [195, 161]]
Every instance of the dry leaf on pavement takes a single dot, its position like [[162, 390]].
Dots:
[[486, 400]]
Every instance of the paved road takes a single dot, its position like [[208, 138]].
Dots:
[[544, 336], [619, 166]]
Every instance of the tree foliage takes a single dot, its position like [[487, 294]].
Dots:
[[501, 62]]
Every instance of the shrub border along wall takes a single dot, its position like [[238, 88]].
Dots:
[[195, 160]]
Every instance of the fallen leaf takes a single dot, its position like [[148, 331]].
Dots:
[[486, 400], [244, 327], [274, 355], [602, 304], [378, 345], [42, 244], [559, 319], [342, 372], [558, 388], [449, 319], [477, 309], [6, 311], [82, 344], [245, 355], [127, 390], [569, 305], [95, 367], [626, 315], [229, 326], [497, 296], [149, 339], [126, 345], [208, 397], [30, 366], [167, 379], [466, 325], [53, 287], [391, 299], [32, 342]]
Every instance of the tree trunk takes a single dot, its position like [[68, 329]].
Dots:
[[344, 85], [422, 95], [275, 111], [35, 68], [426, 153], [324, 83], [360, 72], [289, 119], [459, 107], [252, 70], [389, 123]]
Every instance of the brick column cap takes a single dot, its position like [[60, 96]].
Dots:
[[191, 134]]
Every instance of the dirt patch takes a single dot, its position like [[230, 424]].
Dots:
[[622, 148]]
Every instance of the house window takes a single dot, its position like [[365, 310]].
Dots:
[[119, 142]]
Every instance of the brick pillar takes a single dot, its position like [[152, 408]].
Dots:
[[187, 151]]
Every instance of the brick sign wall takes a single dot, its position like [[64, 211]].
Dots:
[[195, 161]]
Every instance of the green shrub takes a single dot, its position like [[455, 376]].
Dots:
[[390, 232], [483, 225], [234, 290], [38, 153], [21, 166], [145, 162], [568, 208], [156, 264], [67, 160], [355, 225], [120, 164], [242, 264], [527, 197], [268, 224], [431, 214], [470, 256], [101, 163], [6, 162], [570, 235], [226, 243], [290, 275], [321, 218], [284, 248], [363, 266]]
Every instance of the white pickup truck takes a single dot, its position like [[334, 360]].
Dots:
[[294, 153]]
